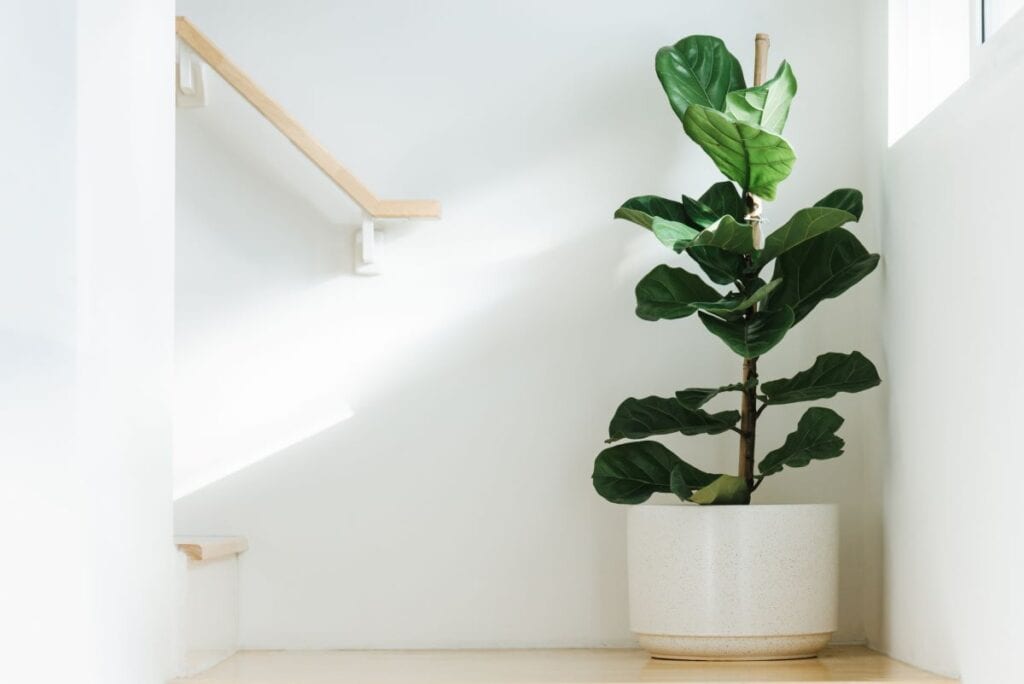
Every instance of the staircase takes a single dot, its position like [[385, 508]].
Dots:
[[208, 601], [373, 207]]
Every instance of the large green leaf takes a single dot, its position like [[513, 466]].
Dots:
[[751, 338], [726, 490], [698, 70], [831, 373], [734, 302], [639, 418], [677, 483], [805, 225], [720, 266], [721, 199], [819, 269], [644, 209], [673, 234], [670, 293], [847, 199], [766, 105], [754, 158], [728, 234], [724, 200], [814, 439], [630, 473], [701, 215], [695, 397]]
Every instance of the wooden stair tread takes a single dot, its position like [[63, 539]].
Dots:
[[564, 666], [211, 548]]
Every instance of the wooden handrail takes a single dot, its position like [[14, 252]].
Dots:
[[299, 136]]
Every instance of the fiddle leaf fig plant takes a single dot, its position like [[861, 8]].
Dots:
[[770, 287]]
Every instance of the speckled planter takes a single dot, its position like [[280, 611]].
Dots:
[[733, 582]]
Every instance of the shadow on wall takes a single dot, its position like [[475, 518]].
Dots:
[[277, 338]]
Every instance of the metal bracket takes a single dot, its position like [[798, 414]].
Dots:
[[191, 85], [367, 243]]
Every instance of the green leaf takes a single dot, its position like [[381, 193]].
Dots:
[[677, 483], [673, 234], [695, 397], [630, 473], [735, 303], [668, 292], [644, 209], [728, 234], [805, 225], [726, 490], [814, 439], [847, 199], [819, 269], [831, 373], [766, 105], [725, 200], [751, 338], [720, 266], [639, 418], [698, 70], [701, 215], [754, 158], [721, 199]]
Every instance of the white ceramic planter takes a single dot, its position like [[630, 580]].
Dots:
[[733, 582]]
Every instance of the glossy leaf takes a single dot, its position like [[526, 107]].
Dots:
[[726, 490], [819, 269], [735, 303], [639, 418], [754, 158], [673, 234], [721, 199], [701, 215], [831, 373], [630, 473], [695, 397], [766, 105], [668, 292], [677, 483], [751, 338], [644, 209], [847, 199], [698, 70], [720, 266], [805, 225], [724, 200], [814, 439], [728, 234]]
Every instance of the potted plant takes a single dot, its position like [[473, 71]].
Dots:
[[722, 579]]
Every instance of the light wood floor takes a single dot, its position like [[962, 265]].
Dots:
[[837, 664]]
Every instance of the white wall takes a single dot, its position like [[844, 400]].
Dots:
[[454, 507], [952, 262], [86, 294]]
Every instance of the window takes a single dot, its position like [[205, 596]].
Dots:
[[929, 56], [995, 13]]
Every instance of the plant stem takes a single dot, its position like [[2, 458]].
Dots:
[[748, 423]]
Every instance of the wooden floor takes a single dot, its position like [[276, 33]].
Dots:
[[837, 664]]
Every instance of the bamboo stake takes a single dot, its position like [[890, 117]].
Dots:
[[761, 45], [748, 405]]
